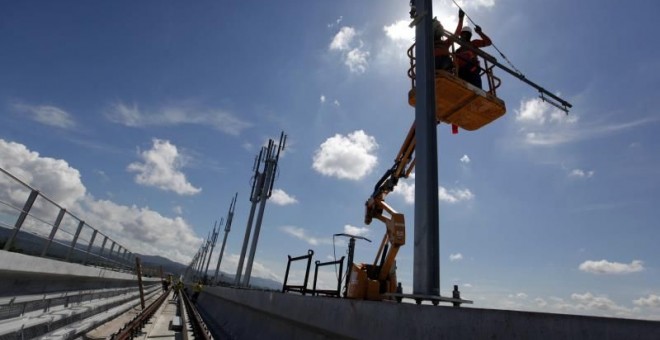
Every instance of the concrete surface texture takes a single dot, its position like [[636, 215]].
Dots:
[[249, 314], [24, 274]]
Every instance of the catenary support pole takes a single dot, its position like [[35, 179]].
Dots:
[[230, 218], [248, 229], [426, 270], [257, 227], [214, 238]]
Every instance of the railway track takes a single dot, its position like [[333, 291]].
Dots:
[[165, 318]]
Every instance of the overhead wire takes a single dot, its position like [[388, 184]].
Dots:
[[493, 44]]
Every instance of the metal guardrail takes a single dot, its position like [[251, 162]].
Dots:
[[43, 228]]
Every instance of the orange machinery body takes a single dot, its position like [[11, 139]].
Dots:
[[370, 281], [460, 103]]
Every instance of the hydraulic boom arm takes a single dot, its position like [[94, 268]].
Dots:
[[375, 207]]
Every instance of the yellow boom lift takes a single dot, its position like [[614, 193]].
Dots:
[[458, 103]]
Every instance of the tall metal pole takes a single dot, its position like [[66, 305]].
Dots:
[[255, 195], [272, 157], [230, 218], [257, 227], [204, 252], [426, 271], [214, 238]]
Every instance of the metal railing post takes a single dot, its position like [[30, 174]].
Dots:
[[89, 247], [112, 248], [75, 239], [56, 226], [138, 270], [21, 218]]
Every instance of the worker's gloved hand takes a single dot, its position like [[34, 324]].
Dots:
[[477, 29], [461, 14]]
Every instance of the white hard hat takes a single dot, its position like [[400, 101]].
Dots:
[[437, 25], [467, 29]]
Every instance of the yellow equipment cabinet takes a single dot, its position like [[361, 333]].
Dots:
[[460, 103]]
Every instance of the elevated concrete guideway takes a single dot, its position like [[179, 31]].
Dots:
[[252, 314]]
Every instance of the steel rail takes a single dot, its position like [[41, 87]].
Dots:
[[198, 326], [131, 329]]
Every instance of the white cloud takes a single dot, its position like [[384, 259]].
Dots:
[[406, 189], [465, 4], [280, 197], [357, 231], [131, 115], [521, 296], [455, 257], [343, 39], [465, 159], [54, 177], [356, 60], [141, 229], [454, 195], [301, 234], [536, 111], [540, 302], [541, 124], [606, 267], [339, 20], [322, 99], [651, 301], [138, 229], [346, 157], [161, 169], [400, 32], [351, 49], [230, 263], [588, 301], [336, 102], [48, 115], [467, 285], [579, 173], [177, 209]]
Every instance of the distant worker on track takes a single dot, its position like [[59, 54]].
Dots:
[[468, 63], [196, 290], [441, 46], [178, 288]]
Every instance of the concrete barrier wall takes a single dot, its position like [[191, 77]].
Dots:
[[24, 275], [249, 314]]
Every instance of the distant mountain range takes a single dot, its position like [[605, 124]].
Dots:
[[177, 269]]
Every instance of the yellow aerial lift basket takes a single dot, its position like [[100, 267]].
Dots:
[[460, 103]]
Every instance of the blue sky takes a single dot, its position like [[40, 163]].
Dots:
[[145, 117]]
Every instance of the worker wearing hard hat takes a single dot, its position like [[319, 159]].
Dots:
[[468, 63], [441, 46]]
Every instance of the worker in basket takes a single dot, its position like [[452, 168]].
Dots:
[[468, 63], [441, 46]]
